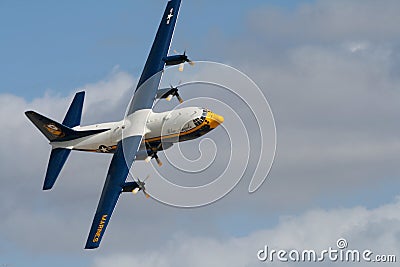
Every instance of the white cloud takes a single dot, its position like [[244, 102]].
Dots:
[[24, 159], [357, 46], [329, 21], [337, 115], [376, 229]]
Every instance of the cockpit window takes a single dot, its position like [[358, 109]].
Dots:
[[197, 121]]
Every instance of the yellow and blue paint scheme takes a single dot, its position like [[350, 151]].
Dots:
[[167, 128]]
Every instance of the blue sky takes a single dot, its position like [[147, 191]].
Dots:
[[62, 45], [328, 69]]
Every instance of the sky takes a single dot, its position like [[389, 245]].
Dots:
[[329, 70]]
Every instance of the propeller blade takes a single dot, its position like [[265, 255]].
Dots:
[[136, 190], [141, 186], [159, 162], [181, 66], [169, 98], [179, 98], [191, 63], [175, 52], [157, 159], [148, 160], [147, 177], [159, 146]]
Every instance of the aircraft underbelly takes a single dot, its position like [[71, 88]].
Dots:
[[108, 146]]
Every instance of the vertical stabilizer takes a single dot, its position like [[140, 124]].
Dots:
[[59, 156], [74, 113]]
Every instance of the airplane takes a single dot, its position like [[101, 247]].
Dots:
[[140, 135]]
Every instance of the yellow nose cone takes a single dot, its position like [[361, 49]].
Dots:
[[215, 120]]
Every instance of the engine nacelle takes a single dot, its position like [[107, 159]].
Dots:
[[166, 92], [130, 187], [175, 60]]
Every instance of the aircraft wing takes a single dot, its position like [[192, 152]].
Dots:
[[135, 121], [149, 81], [113, 186]]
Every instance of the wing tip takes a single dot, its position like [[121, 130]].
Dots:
[[46, 188], [90, 247]]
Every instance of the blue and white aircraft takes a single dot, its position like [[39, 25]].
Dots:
[[139, 136]]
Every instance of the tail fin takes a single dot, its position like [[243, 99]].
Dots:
[[57, 132], [74, 113]]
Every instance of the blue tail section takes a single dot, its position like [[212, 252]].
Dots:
[[60, 132], [74, 113], [58, 157]]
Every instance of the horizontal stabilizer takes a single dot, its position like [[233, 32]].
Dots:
[[57, 132], [58, 157]]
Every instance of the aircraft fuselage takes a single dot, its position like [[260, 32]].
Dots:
[[163, 130]]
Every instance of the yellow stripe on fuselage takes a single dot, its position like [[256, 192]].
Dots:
[[212, 120]]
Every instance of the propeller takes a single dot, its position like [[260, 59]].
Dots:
[[154, 155], [186, 59], [174, 92], [141, 186]]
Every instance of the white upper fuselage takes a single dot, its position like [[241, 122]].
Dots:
[[169, 127]]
